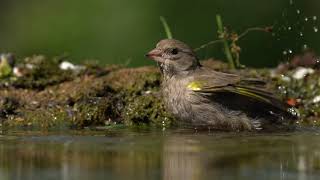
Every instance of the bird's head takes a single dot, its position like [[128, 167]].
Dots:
[[174, 57]]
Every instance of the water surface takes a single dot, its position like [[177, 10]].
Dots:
[[159, 155]]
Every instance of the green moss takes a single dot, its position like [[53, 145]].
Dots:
[[42, 118], [145, 82], [135, 81], [92, 111], [303, 91], [8, 106], [49, 98], [40, 72], [52, 98], [146, 110], [139, 89], [5, 68]]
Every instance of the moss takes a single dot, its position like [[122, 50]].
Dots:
[[147, 110], [304, 92], [135, 80], [95, 97], [46, 97], [5, 68], [40, 72], [8, 106], [91, 111], [51, 118], [139, 89]]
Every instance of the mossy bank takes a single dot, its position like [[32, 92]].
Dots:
[[41, 93]]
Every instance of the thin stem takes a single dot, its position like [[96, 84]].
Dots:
[[250, 30], [166, 27], [225, 42], [237, 60], [208, 44]]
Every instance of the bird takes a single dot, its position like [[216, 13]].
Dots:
[[202, 98]]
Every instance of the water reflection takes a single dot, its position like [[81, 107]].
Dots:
[[278, 157], [182, 159], [161, 156]]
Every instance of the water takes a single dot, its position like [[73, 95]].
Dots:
[[160, 155]]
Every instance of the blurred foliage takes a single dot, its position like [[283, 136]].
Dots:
[[5, 69], [118, 31]]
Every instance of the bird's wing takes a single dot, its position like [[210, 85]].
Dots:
[[212, 82]]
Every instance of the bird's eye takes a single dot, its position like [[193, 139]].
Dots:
[[174, 51]]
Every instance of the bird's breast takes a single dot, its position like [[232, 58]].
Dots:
[[178, 98]]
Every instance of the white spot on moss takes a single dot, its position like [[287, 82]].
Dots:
[[302, 72], [316, 99]]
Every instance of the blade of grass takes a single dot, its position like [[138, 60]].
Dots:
[[166, 27]]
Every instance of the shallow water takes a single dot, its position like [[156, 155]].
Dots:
[[184, 155]]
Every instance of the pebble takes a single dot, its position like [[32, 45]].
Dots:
[[316, 99], [65, 65], [302, 72]]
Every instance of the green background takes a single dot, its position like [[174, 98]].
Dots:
[[120, 31]]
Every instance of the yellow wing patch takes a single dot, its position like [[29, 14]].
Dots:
[[195, 86]]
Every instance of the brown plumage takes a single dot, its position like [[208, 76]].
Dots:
[[201, 97]]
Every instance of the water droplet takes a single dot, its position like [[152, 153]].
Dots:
[[301, 34], [282, 89], [305, 46], [289, 28], [284, 52], [315, 29], [291, 2], [290, 51], [306, 19], [294, 112], [314, 18], [298, 11]]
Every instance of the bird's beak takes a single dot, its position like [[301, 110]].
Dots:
[[153, 54]]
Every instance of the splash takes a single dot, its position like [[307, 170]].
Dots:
[[292, 29]]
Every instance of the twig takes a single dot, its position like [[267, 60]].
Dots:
[[208, 44], [252, 29], [239, 37]]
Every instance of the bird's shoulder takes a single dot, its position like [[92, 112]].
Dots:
[[207, 78]]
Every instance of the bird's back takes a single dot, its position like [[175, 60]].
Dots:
[[221, 109]]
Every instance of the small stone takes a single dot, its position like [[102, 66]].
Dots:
[[302, 72], [65, 65], [148, 92], [285, 78], [17, 72], [30, 66], [316, 99]]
